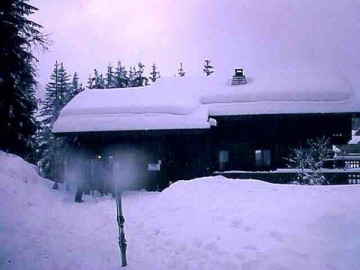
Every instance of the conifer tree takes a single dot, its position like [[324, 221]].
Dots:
[[110, 77], [18, 76], [80, 89], [90, 82], [139, 79], [101, 82], [181, 71], [120, 77], [131, 78], [98, 80], [154, 74], [76, 88], [65, 90], [208, 69], [58, 94]]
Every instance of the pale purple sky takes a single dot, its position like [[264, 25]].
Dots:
[[253, 34]]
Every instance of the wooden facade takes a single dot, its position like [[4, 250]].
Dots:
[[153, 159]]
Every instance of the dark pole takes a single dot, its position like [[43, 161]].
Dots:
[[56, 186], [121, 221]]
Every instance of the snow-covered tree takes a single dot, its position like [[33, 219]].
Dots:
[[110, 82], [181, 71], [208, 69], [120, 77], [98, 81], [299, 159], [154, 74], [58, 94], [90, 82], [319, 149], [18, 76], [309, 161], [139, 78], [64, 92], [76, 87], [131, 77]]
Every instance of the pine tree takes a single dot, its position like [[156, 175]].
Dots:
[[65, 93], [74, 84], [58, 94], [139, 79], [76, 88], [181, 71], [101, 82], [17, 76], [208, 69], [120, 77], [131, 78], [154, 74], [110, 83], [80, 89], [90, 82], [98, 80]]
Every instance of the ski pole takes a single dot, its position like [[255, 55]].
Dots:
[[121, 221]]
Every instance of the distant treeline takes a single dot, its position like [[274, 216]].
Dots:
[[120, 77]]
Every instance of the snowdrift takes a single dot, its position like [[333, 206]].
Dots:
[[250, 224], [206, 223], [41, 228]]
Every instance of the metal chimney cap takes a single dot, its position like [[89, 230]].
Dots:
[[239, 72], [239, 77]]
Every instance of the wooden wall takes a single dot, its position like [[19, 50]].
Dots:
[[180, 156], [243, 135], [186, 154]]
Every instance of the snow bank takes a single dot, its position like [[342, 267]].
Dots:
[[206, 223], [41, 228], [181, 99], [14, 167], [218, 223]]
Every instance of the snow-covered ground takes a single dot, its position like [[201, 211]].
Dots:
[[208, 223]]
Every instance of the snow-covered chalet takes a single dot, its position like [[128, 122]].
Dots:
[[181, 128]]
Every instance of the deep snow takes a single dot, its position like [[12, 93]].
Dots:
[[183, 103], [208, 223]]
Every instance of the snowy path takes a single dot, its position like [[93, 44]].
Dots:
[[211, 223]]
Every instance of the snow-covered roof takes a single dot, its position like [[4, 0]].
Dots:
[[122, 122], [187, 103]]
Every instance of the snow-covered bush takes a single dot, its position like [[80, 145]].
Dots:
[[309, 162]]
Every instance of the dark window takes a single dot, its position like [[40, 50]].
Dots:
[[223, 159], [262, 158], [352, 164], [223, 156]]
